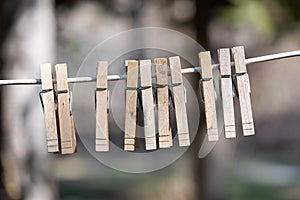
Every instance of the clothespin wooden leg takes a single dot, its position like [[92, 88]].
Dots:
[[148, 106], [179, 101], [102, 138], [243, 85], [130, 104], [162, 90], [209, 96], [66, 123], [137, 140], [49, 108], [227, 93]]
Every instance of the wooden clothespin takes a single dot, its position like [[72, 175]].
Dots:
[[147, 103], [226, 92], [49, 108], [130, 104], [162, 92], [179, 102], [209, 96], [102, 138], [243, 85], [65, 118]]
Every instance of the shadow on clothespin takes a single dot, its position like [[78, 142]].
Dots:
[[209, 95], [227, 93], [65, 117], [48, 105], [130, 104], [162, 98], [148, 105], [243, 87], [179, 99], [101, 104]]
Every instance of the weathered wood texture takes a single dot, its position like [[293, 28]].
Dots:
[[227, 93], [148, 106], [209, 96], [243, 85], [66, 124], [49, 109], [179, 102], [102, 137], [162, 92], [130, 105]]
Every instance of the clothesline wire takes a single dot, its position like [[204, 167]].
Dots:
[[183, 71]]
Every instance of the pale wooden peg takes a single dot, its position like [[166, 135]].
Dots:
[[179, 102], [66, 122], [226, 92], [49, 108], [209, 96], [162, 90], [148, 106], [130, 104], [102, 138], [243, 85], [137, 134]]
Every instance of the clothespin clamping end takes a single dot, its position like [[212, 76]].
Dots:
[[179, 102], [209, 96], [65, 117], [243, 86], [101, 98], [48, 104], [130, 104], [227, 93]]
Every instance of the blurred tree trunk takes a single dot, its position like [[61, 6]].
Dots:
[[8, 11], [27, 41], [211, 173]]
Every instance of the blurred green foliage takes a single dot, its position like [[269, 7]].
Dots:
[[269, 18], [248, 191]]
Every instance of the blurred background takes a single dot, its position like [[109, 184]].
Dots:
[[265, 166]]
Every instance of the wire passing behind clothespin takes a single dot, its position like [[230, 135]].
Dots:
[[130, 105], [101, 94], [227, 93], [162, 94], [209, 96], [48, 104], [65, 118], [243, 86], [148, 106], [179, 102]]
